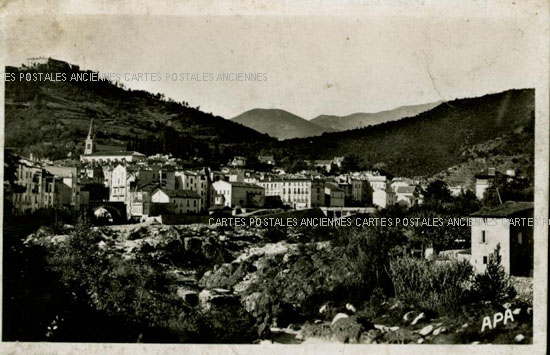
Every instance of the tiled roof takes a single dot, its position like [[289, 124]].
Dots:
[[504, 210]]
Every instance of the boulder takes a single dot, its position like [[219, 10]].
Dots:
[[516, 311], [439, 330], [338, 317], [418, 318], [253, 303], [209, 298], [519, 338], [350, 308], [426, 330]]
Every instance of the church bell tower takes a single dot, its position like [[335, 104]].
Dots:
[[89, 147]]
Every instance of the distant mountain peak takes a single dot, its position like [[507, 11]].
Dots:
[[279, 123]]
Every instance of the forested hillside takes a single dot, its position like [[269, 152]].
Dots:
[[428, 143], [51, 119]]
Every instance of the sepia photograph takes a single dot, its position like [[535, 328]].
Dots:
[[316, 177]]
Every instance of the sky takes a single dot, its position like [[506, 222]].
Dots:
[[314, 65]]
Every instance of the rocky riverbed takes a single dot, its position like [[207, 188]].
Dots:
[[291, 292]]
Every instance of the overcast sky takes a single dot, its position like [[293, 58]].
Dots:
[[314, 65]]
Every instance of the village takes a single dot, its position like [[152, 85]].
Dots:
[[119, 187]]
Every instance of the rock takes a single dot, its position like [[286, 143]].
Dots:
[[420, 341], [323, 309], [439, 330], [221, 290], [350, 308], [394, 328], [475, 343], [418, 318], [516, 311], [465, 325], [507, 305], [244, 285], [252, 303], [426, 330], [208, 298], [519, 338], [338, 317], [407, 317]]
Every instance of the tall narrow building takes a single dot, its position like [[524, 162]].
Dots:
[[90, 145]]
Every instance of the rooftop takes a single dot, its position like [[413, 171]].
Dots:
[[506, 209], [180, 193], [406, 189], [114, 153]]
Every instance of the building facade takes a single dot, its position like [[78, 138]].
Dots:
[[296, 193], [508, 226]]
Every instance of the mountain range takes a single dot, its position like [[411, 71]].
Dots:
[[51, 119], [282, 124], [360, 119]]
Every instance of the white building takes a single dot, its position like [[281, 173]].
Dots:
[[502, 225], [239, 194], [198, 181], [183, 201], [297, 193]]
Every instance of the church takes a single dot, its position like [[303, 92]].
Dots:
[[93, 155]]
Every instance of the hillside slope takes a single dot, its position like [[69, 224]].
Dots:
[[428, 143], [360, 119], [279, 123], [52, 118]]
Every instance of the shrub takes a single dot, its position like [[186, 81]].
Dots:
[[494, 284], [436, 287]]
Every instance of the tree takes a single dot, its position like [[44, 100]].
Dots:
[[506, 188], [494, 284], [350, 163], [437, 195]]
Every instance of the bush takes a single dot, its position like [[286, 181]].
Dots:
[[436, 287], [494, 284]]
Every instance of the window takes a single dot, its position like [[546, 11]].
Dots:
[[485, 260], [483, 237]]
